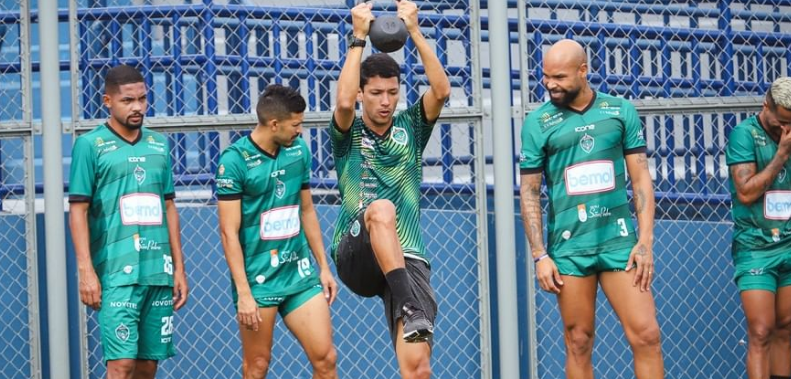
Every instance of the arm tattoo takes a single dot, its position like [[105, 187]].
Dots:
[[639, 201], [642, 160], [744, 172], [530, 192], [641, 250]]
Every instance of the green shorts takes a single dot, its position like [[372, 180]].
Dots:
[[287, 304], [766, 273], [586, 265], [136, 322]]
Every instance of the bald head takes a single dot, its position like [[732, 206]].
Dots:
[[565, 53], [566, 74]]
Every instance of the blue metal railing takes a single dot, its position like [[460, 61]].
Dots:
[[185, 71]]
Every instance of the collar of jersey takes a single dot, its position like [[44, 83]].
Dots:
[[587, 107], [261, 150], [376, 135], [132, 143]]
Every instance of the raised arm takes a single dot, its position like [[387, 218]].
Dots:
[[439, 90], [349, 80]]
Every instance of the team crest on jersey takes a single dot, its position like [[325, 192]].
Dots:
[[99, 141], [140, 174], [586, 143], [582, 213], [280, 188], [355, 230], [122, 332], [399, 136], [776, 235], [221, 169]]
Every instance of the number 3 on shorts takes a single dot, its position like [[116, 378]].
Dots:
[[167, 325], [168, 264], [622, 227]]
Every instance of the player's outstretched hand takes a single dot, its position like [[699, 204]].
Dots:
[[642, 258], [180, 290], [90, 289], [329, 285], [548, 275], [407, 11], [361, 19], [247, 312]]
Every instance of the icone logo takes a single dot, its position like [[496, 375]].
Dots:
[[584, 128], [141, 209], [280, 223], [777, 205], [590, 177]]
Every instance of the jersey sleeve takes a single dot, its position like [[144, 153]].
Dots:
[[170, 191], [307, 159], [633, 139], [340, 141], [230, 176], [532, 156], [740, 148], [82, 178]]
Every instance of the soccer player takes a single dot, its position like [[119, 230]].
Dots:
[[758, 151], [269, 227], [125, 229], [378, 247], [579, 141]]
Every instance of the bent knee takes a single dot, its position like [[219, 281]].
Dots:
[[579, 340], [647, 337], [325, 363], [256, 367], [760, 333], [123, 368], [421, 370], [380, 212]]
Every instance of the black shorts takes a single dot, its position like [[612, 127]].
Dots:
[[360, 272]]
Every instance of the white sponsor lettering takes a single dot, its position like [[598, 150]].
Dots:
[[777, 205], [584, 128], [277, 173], [141, 209], [590, 177], [162, 303], [123, 304], [280, 223], [137, 159]]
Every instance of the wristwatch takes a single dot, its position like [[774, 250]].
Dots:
[[355, 42]]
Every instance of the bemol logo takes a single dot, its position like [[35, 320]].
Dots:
[[590, 177], [280, 223], [777, 205], [141, 209]]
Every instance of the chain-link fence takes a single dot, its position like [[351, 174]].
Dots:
[[691, 68], [205, 65], [19, 330]]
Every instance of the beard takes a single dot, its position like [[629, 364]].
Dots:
[[567, 97], [133, 125]]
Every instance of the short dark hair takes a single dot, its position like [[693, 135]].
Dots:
[[381, 65], [120, 75], [278, 102]]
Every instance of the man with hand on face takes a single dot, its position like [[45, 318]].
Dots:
[[579, 141], [378, 246], [125, 229], [758, 151], [269, 228]]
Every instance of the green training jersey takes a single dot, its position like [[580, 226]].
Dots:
[[762, 227], [126, 184], [582, 157], [389, 166], [276, 252]]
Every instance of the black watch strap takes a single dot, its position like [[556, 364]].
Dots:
[[355, 42]]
